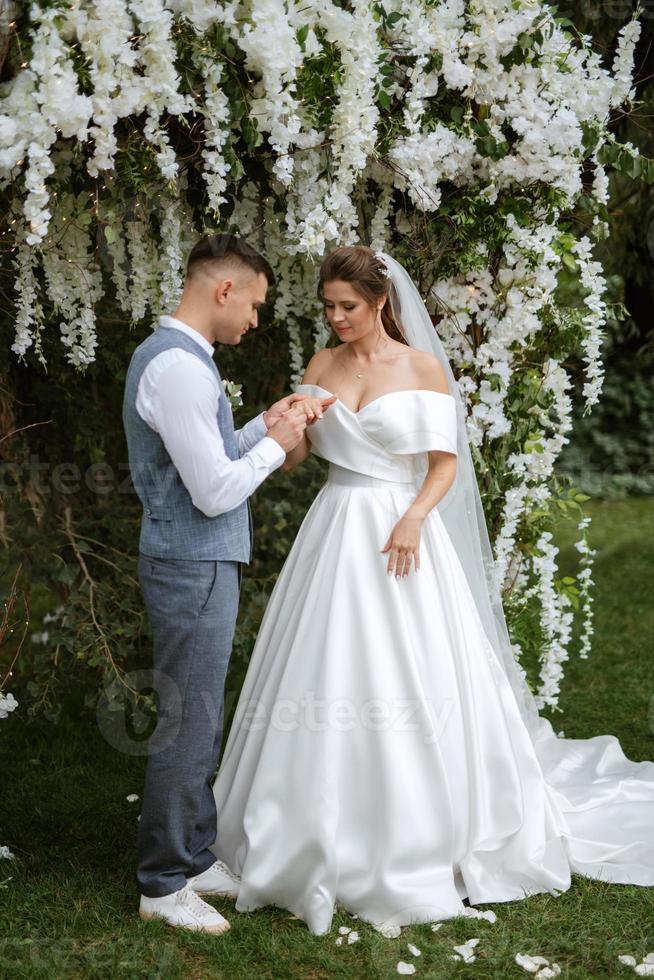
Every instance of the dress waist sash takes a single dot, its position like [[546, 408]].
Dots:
[[351, 478]]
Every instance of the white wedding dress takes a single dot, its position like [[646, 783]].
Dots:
[[377, 757]]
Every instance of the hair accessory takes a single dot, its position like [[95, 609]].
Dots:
[[382, 261]]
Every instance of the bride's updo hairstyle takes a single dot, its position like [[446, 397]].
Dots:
[[359, 266]]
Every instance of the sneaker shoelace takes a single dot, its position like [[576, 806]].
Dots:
[[198, 906], [230, 874]]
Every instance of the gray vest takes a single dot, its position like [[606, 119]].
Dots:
[[172, 526]]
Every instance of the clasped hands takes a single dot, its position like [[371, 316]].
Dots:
[[310, 407]]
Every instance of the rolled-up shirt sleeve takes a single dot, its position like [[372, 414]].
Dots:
[[183, 410], [252, 432]]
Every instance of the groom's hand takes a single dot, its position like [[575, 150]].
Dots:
[[312, 407], [289, 428]]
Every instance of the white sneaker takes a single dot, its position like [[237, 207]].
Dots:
[[216, 880], [184, 909]]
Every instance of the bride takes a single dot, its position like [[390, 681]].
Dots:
[[386, 753]]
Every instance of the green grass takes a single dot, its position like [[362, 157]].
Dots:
[[69, 909]]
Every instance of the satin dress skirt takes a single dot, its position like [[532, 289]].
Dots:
[[378, 759]]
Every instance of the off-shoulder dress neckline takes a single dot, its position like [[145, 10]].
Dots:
[[388, 394]]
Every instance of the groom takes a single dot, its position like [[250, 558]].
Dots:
[[193, 474]]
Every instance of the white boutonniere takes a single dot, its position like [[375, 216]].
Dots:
[[233, 393]]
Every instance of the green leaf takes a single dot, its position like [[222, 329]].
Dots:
[[384, 98], [301, 35]]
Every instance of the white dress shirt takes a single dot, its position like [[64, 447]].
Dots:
[[177, 396]]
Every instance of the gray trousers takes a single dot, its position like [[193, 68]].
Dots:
[[192, 607]]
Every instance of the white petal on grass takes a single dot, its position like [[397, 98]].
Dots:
[[645, 969], [649, 958], [405, 968], [344, 930], [339, 941], [527, 962], [473, 913], [465, 950], [389, 930], [353, 937], [436, 926], [414, 949], [6, 853], [548, 972], [132, 798], [627, 959]]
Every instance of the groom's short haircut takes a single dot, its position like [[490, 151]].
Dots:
[[228, 251]]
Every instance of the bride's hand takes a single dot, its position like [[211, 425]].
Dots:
[[312, 407], [404, 545]]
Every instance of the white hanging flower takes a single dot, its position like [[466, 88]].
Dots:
[[29, 311], [425, 162], [171, 258], [8, 703], [593, 281], [216, 114], [144, 266], [623, 63], [157, 57], [272, 50], [585, 579], [104, 30], [74, 280]]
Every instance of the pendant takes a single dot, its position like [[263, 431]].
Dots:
[[359, 375]]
